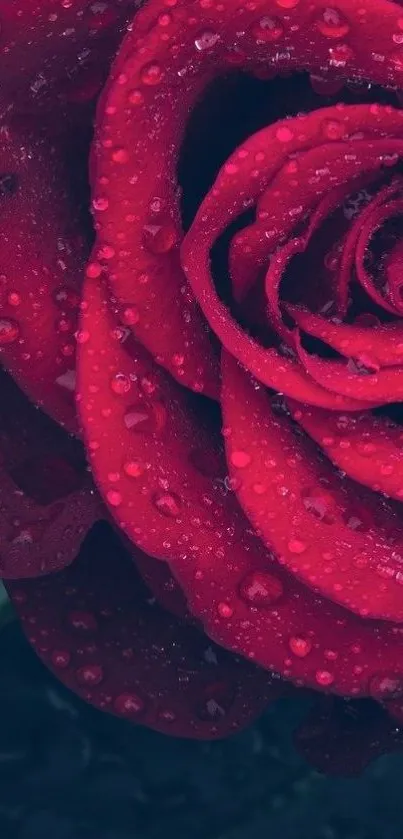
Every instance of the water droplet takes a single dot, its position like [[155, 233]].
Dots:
[[66, 298], [332, 24], [151, 74], [287, 4], [295, 546], [225, 610], [100, 203], [334, 130], [216, 701], [129, 704], [114, 498], [300, 646], [284, 134], [324, 678], [268, 29], [136, 97], [133, 468], [167, 503], [260, 588], [60, 658], [240, 459], [120, 384], [130, 316], [206, 40], [340, 55], [90, 674], [144, 419], [319, 504], [9, 331], [386, 686], [120, 155], [159, 238]]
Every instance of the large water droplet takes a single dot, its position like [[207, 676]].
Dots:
[[167, 503], [207, 40], [268, 29], [332, 23], [300, 646], [129, 704]]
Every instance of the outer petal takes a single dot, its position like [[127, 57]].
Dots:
[[350, 552], [96, 628], [41, 265], [47, 500], [56, 52]]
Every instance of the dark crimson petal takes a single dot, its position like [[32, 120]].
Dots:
[[244, 598], [381, 345], [159, 579], [53, 50], [41, 267], [95, 627], [367, 448], [349, 551], [47, 500], [341, 738], [352, 380]]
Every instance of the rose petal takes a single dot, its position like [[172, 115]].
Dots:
[[244, 599], [307, 514], [94, 626], [278, 212], [55, 52], [367, 448], [354, 381], [41, 272], [47, 501], [383, 344]]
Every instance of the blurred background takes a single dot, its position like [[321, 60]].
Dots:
[[68, 771]]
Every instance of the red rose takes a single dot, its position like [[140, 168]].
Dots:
[[274, 526]]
